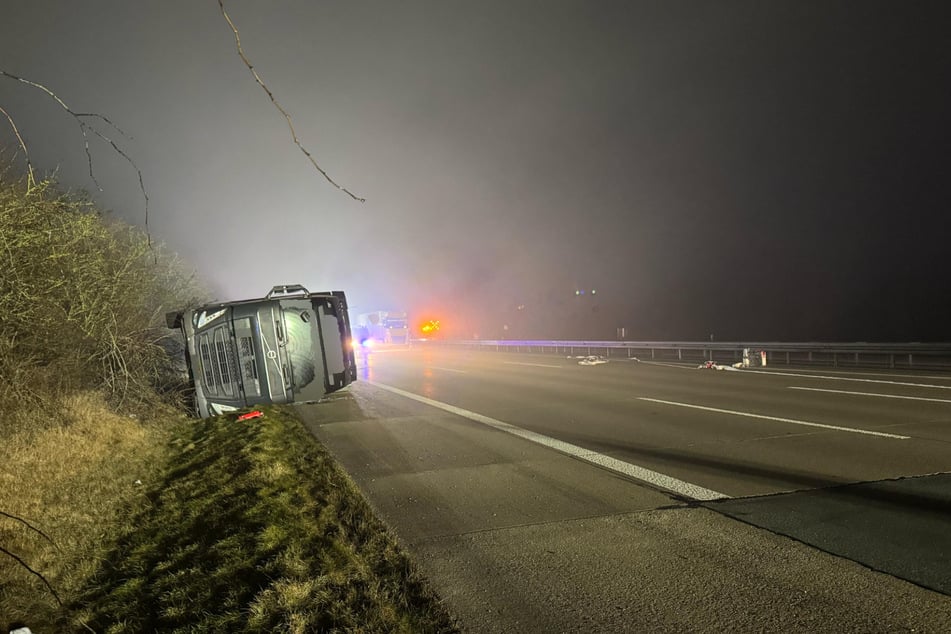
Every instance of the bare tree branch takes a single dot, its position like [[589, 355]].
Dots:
[[30, 181], [85, 128], [30, 526], [25, 565], [139, 172], [257, 78]]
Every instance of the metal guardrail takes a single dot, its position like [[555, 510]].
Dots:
[[924, 356]]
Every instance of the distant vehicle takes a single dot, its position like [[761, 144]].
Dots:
[[291, 345], [383, 326], [397, 327]]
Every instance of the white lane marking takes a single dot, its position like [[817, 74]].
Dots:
[[682, 366], [847, 378], [436, 367], [536, 365], [776, 370], [776, 418], [783, 372], [633, 471], [908, 398]]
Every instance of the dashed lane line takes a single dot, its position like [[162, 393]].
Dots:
[[907, 398], [849, 378], [781, 372], [663, 481], [792, 421], [534, 365]]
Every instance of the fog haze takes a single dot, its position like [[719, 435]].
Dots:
[[745, 170]]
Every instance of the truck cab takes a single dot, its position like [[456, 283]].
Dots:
[[289, 346]]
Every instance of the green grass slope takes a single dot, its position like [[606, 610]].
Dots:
[[256, 529]]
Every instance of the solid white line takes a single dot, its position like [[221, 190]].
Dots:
[[781, 420], [774, 369], [436, 367], [783, 372], [682, 366], [846, 378], [908, 398], [536, 365], [661, 480]]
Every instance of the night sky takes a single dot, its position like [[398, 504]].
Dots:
[[748, 170]]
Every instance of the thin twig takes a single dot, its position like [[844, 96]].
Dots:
[[25, 565], [138, 171], [83, 126], [85, 625], [257, 78], [30, 526], [61, 102], [30, 181]]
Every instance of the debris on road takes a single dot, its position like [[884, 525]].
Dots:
[[592, 360], [713, 365]]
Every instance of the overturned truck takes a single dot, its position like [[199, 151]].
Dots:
[[288, 346]]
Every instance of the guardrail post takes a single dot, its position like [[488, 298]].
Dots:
[[891, 360], [835, 359], [910, 360], [787, 357], [680, 354]]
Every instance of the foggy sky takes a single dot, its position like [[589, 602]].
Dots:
[[751, 170]]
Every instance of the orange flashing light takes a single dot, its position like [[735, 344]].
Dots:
[[429, 327]]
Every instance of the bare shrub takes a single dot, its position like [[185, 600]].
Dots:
[[82, 300], [82, 334]]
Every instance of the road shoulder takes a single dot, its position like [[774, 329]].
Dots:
[[517, 537]]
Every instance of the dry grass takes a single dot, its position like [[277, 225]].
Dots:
[[72, 476], [133, 526], [81, 304], [257, 529]]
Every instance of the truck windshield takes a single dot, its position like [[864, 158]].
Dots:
[[302, 343], [314, 347]]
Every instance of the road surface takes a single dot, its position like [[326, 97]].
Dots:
[[542, 495]]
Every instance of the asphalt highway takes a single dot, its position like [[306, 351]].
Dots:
[[539, 493]]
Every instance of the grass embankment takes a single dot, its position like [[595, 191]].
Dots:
[[255, 528], [71, 476], [116, 513], [86, 382]]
